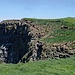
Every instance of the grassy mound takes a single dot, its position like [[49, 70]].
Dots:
[[45, 67]]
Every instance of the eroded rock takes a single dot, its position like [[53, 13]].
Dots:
[[19, 42]]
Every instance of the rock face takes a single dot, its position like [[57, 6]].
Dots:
[[14, 38], [19, 42]]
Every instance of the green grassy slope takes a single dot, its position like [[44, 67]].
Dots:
[[56, 34], [69, 21], [45, 67]]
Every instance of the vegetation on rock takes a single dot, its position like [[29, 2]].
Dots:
[[36, 39]]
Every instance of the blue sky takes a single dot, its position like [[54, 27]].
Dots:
[[17, 9]]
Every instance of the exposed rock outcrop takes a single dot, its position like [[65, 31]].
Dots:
[[19, 42], [14, 38]]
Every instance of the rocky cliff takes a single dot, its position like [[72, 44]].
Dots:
[[17, 40], [14, 38], [20, 42]]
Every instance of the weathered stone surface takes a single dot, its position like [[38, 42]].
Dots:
[[19, 42], [14, 40]]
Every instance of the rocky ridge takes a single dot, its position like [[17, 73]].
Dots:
[[20, 42]]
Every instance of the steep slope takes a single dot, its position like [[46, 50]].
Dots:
[[35, 39], [58, 30]]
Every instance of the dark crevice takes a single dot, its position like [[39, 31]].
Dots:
[[14, 42]]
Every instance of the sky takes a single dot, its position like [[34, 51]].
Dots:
[[17, 9]]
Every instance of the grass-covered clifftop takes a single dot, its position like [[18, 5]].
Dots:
[[53, 27]]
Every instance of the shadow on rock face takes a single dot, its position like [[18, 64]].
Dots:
[[14, 39]]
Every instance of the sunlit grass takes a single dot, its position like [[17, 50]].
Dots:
[[44, 67]]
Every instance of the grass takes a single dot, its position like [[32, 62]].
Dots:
[[44, 67], [58, 35], [42, 21], [61, 36], [69, 21]]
